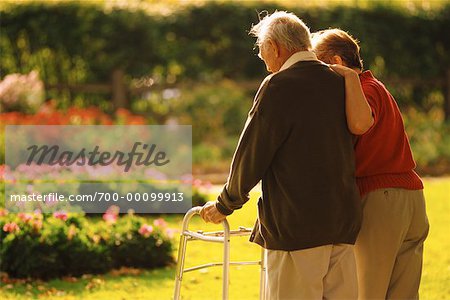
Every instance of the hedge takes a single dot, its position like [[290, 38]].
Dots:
[[74, 42]]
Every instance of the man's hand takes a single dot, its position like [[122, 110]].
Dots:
[[209, 213]]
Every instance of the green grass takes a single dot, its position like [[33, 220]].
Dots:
[[158, 284], [436, 271]]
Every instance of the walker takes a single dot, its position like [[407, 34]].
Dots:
[[215, 237]]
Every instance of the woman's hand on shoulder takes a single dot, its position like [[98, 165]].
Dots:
[[344, 71]]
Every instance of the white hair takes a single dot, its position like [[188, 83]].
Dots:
[[284, 28]]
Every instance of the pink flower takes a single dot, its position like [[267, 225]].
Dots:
[[4, 169], [197, 183], [3, 212], [30, 190], [7, 175], [187, 178], [11, 227], [208, 185], [111, 214], [62, 215], [146, 230], [160, 222], [155, 175], [110, 218], [113, 209], [170, 232], [25, 217]]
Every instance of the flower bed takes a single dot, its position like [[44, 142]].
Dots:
[[36, 245], [48, 114]]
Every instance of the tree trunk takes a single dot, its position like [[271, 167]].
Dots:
[[447, 96], [119, 90]]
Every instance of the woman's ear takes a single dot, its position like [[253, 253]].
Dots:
[[337, 60]]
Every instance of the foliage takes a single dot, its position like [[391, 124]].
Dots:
[[216, 110], [46, 246], [136, 244], [429, 137], [74, 42], [200, 190]]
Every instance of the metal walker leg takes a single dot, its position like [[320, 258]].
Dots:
[[217, 237], [262, 280]]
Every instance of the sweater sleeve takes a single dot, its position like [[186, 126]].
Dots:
[[371, 93], [265, 130], [372, 96]]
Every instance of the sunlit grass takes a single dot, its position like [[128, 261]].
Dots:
[[158, 284], [436, 271]]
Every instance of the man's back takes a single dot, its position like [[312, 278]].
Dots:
[[309, 192]]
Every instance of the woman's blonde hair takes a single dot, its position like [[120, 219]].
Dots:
[[330, 42]]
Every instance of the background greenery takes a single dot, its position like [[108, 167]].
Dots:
[[82, 42], [202, 69]]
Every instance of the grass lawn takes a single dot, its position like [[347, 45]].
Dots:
[[206, 284]]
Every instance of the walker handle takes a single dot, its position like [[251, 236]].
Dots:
[[196, 211]]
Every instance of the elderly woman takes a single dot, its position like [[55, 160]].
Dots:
[[389, 247]]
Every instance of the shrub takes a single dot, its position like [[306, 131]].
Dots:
[[140, 245], [21, 92], [48, 246], [200, 191], [215, 110], [429, 136], [77, 42]]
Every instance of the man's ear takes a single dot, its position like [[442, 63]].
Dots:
[[275, 48], [337, 60]]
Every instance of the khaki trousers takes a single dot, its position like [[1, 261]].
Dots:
[[389, 247], [326, 272]]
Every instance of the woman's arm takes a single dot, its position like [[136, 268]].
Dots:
[[358, 111]]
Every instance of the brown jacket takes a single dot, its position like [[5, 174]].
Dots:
[[296, 141]]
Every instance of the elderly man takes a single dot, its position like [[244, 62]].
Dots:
[[296, 141]]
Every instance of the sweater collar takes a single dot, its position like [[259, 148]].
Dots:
[[298, 56], [366, 74]]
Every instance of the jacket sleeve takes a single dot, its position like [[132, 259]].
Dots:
[[264, 132]]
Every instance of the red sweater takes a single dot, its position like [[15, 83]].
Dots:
[[383, 154]]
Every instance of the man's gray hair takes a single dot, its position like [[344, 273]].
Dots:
[[284, 28]]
